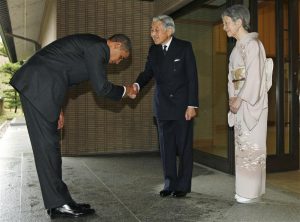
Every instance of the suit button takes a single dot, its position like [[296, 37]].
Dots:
[[171, 95]]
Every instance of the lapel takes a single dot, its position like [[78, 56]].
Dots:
[[159, 55], [172, 48], [164, 63], [163, 60], [167, 65]]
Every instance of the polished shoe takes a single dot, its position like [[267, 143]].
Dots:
[[69, 210], [179, 194], [165, 193], [83, 205]]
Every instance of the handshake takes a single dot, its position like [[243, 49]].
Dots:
[[132, 90]]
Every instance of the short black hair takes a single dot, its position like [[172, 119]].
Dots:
[[123, 39]]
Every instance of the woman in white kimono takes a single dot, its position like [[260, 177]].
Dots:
[[248, 103]]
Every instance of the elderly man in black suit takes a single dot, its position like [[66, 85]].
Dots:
[[43, 82], [171, 62]]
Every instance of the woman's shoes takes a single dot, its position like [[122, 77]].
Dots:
[[240, 199]]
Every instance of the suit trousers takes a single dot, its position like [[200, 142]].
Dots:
[[44, 137], [176, 138]]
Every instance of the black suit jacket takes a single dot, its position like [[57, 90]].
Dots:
[[176, 79], [46, 76]]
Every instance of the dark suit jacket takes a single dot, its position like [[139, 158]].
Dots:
[[46, 76], [176, 79]]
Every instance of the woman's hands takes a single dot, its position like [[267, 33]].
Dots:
[[234, 104]]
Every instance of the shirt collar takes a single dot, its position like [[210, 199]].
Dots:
[[167, 44]]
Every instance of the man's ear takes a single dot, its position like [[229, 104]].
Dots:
[[169, 31], [117, 45]]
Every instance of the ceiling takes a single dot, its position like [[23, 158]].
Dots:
[[23, 21], [201, 12]]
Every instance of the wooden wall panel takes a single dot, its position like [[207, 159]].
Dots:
[[266, 27], [219, 39], [95, 125]]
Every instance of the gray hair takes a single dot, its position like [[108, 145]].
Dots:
[[236, 12], [167, 21]]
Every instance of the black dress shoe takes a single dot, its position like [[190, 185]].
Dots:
[[179, 194], [69, 210], [165, 193], [83, 205]]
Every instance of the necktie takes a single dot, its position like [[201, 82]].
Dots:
[[165, 49]]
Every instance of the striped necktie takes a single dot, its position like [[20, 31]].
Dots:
[[165, 49]]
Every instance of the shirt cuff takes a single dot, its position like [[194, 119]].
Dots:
[[138, 85], [195, 107], [124, 91]]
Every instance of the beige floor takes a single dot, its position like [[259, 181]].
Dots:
[[289, 181]]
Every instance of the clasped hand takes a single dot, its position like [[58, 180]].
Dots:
[[132, 91], [234, 104]]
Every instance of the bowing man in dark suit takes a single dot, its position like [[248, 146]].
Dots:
[[171, 63], [43, 82]]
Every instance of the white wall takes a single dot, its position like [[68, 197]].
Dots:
[[48, 25]]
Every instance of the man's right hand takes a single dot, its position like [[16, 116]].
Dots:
[[131, 91]]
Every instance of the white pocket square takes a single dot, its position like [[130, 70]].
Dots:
[[176, 60]]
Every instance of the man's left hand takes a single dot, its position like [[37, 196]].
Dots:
[[61, 120], [190, 113]]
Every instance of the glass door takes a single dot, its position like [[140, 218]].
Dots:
[[278, 30], [200, 23]]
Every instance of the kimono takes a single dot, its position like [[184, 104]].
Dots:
[[246, 80]]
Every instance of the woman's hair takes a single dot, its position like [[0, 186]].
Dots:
[[236, 12], [167, 21]]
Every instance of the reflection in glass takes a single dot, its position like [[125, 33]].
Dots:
[[266, 30], [287, 94], [203, 27]]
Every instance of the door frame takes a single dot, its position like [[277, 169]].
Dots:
[[281, 161]]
